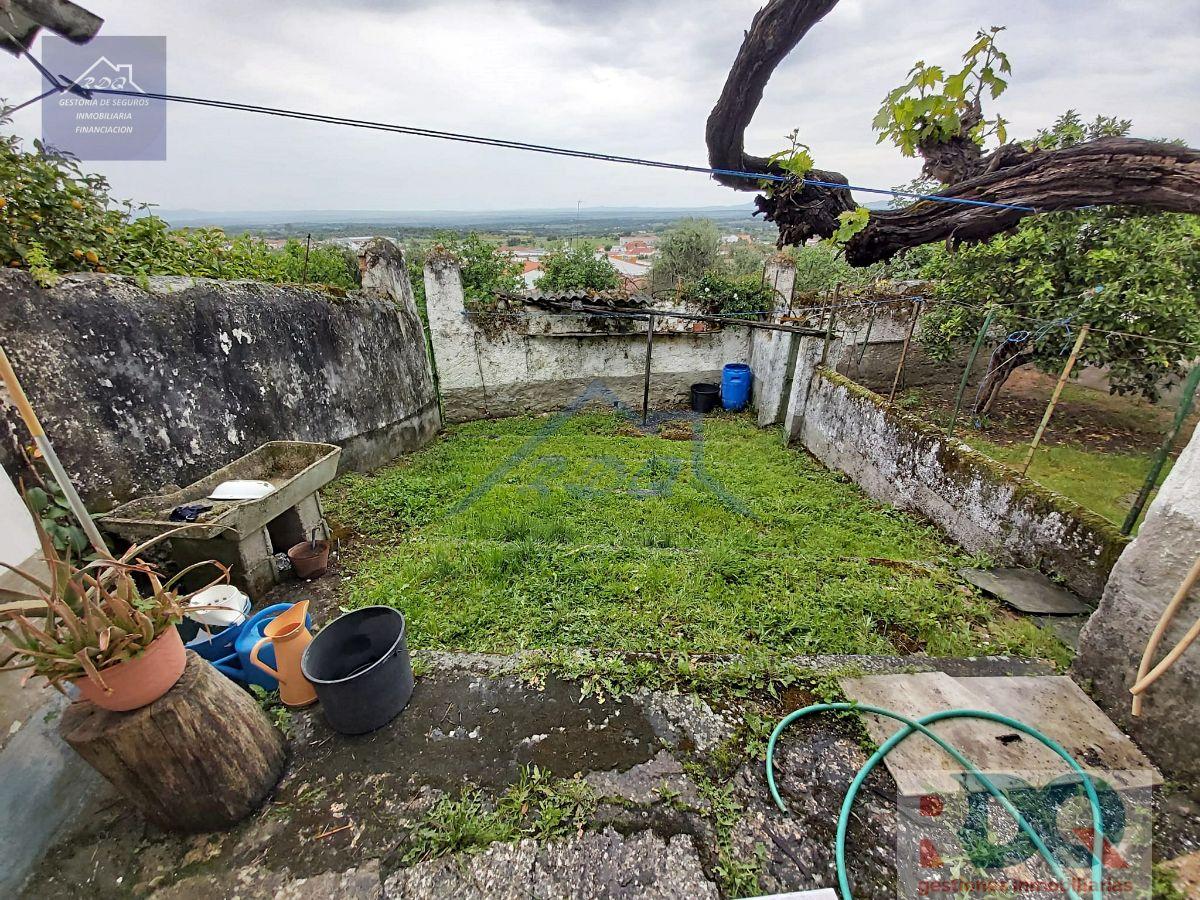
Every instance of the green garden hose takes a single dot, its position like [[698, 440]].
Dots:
[[914, 726]]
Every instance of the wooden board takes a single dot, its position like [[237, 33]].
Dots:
[[1054, 705]]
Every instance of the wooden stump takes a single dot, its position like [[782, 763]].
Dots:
[[201, 757]]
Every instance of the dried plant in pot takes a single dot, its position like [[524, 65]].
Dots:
[[92, 624]]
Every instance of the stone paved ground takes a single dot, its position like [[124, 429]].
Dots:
[[679, 801], [679, 805]]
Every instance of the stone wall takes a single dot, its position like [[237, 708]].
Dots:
[[1143, 581], [873, 347], [980, 504], [528, 360], [143, 388]]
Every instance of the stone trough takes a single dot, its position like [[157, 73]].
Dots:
[[243, 535]]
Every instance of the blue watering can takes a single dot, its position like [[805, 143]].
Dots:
[[229, 649]]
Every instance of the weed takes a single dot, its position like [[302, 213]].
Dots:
[[736, 872], [536, 805], [1162, 884], [274, 708]]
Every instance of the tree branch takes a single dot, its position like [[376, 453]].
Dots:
[[1109, 171]]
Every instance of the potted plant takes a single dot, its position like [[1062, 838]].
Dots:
[[91, 624]]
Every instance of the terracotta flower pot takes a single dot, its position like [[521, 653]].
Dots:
[[309, 561], [139, 681]]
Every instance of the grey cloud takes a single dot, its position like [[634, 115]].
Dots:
[[636, 78]]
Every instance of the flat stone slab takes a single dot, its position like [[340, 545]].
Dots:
[[1026, 590], [597, 865], [1054, 705], [1066, 628]]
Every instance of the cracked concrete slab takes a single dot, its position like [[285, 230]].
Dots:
[[659, 778], [1026, 590], [601, 864]]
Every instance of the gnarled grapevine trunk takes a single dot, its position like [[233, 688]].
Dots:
[[1125, 171]]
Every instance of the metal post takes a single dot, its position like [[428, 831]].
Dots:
[[866, 338], [25, 408], [307, 248], [1062, 380], [1160, 456], [828, 334], [649, 353], [962, 385], [912, 325]]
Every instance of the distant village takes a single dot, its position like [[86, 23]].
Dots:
[[631, 255]]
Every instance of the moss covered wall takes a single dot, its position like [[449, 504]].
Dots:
[[981, 504], [139, 388]]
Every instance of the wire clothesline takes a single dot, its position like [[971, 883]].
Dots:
[[741, 317], [62, 84]]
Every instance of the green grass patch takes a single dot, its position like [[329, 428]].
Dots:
[[582, 532], [1106, 483]]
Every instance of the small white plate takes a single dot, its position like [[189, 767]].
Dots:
[[239, 489]]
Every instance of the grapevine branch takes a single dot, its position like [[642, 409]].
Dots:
[[1124, 171]]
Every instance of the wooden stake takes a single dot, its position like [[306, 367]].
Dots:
[[25, 408], [1062, 380], [962, 385], [912, 325]]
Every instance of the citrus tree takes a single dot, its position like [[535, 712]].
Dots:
[[1120, 269]]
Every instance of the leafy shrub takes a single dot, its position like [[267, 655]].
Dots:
[[487, 269], [57, 219], [731, 296], [577, 267]]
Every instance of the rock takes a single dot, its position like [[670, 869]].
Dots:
[[1142, 582], [501, 872], [1186, 869], [361, 883], [676, 717], [597, 865], [647, 782]]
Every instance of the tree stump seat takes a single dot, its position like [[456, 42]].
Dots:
[[201, 757]]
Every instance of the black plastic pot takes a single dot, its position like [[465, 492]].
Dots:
[[360, 667], [705, 397]]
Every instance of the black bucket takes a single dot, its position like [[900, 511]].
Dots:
[[359, 665], [705, 397]]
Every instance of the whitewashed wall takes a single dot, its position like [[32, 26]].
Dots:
[[18, 540], [538, 362]]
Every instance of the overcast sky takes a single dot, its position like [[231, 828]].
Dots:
[[619, 76]]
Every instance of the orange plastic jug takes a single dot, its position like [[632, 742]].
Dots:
[[290, 636]]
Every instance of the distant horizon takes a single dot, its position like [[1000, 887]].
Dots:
[[729, 207]]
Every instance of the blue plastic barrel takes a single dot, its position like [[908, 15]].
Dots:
[[735, 386]]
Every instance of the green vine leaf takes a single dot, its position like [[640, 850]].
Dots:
[[850, 223]]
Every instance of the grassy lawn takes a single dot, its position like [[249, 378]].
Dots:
[[560, 532], [1103, 482]]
